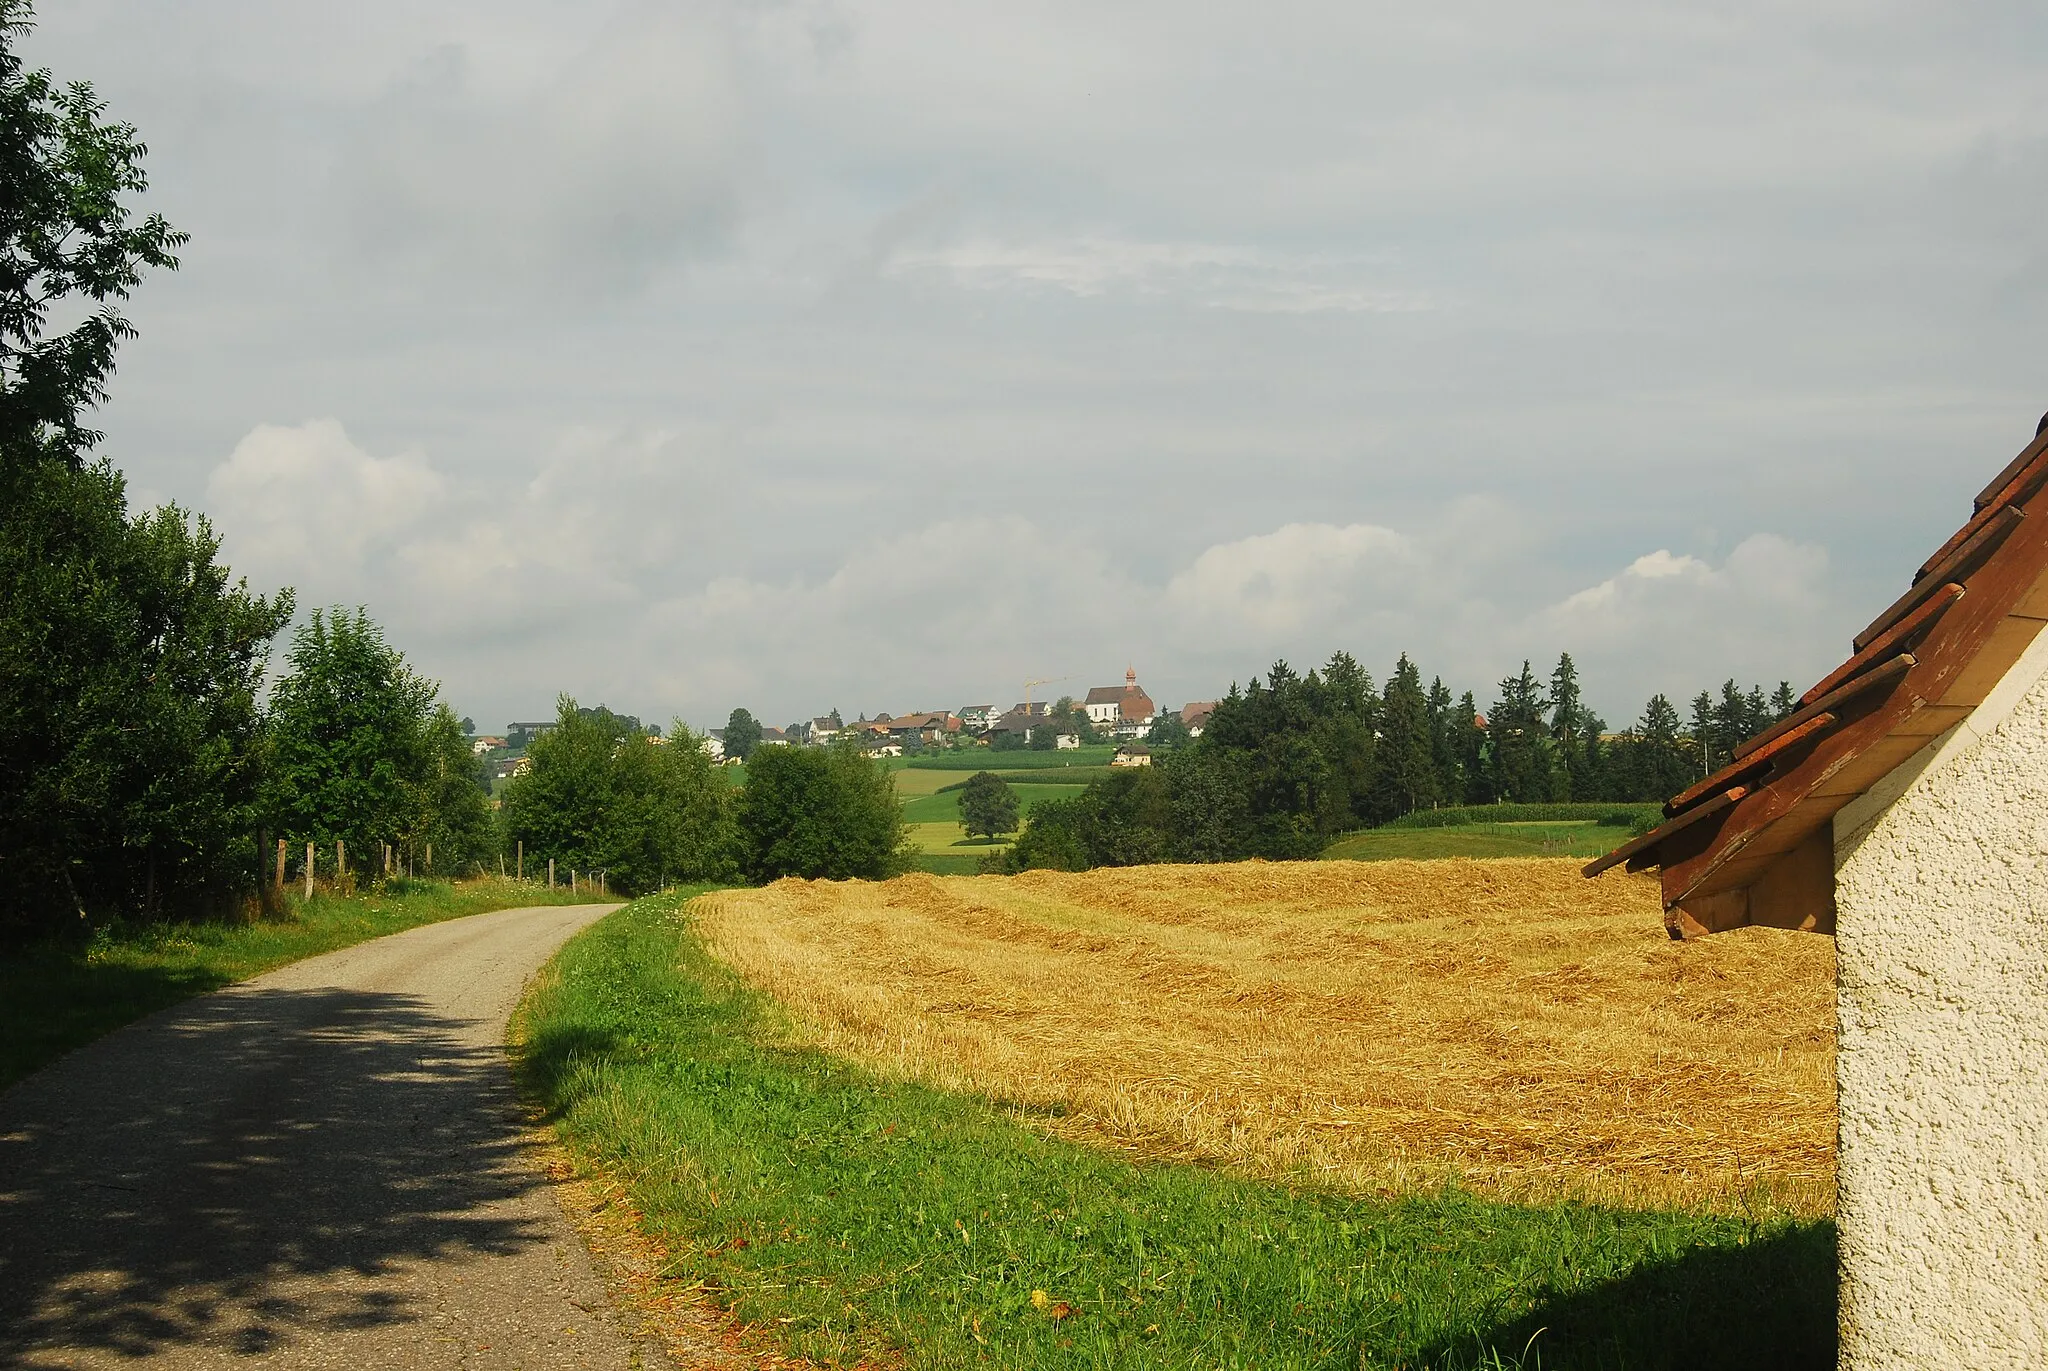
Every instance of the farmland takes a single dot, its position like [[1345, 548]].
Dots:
[[1373, 1025], [929, 788], [1043, 1121]]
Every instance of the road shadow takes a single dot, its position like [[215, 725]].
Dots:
[[1768, 1305], [249, 1168]]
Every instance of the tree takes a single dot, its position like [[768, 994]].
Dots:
[[129, 658], [742, 735], [1405, 776], [820, 813], [602, 795], [352, 755], [1566, 709], [987, 805], [451, 798], [66, 238], [1167, 731], [130, 738], [1519, 734]]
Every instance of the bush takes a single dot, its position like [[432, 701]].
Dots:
[[820, 813]]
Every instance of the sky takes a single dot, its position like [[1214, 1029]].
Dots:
[[818, 355]]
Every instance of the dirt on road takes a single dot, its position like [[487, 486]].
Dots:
[[325, 1166]]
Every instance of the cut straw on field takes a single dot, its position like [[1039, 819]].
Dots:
[[1375, 1026]]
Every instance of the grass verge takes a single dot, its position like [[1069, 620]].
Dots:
[[56, 996], [866, 1220]]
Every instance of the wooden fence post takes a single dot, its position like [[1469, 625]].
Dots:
[[309, 871], [521, 873], [340, 861], [280, 867], [430, 859], [551, 873]]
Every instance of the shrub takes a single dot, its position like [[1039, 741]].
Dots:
[[820, 813]]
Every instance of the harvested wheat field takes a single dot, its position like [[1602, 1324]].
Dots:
[[1378, 1025]]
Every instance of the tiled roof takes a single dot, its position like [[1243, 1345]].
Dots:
[[1753, 842]]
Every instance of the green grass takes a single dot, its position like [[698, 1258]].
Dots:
[[60, 995], [1611, 813], [1051, 775], [944, 807], [1586, 840], [988, 759], [851, 1215]]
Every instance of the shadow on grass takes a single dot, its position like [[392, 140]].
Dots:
[[1767, 1304], [55, 1000]]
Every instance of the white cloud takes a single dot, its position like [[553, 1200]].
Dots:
[[300, 496], [1202, 274]]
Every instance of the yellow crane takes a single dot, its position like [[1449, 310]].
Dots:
[[1042, 680]]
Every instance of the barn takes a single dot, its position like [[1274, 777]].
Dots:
[[1904, 809]]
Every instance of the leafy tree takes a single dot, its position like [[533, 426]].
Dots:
[[1167, 731], [602, 795], [68, 243], [742, 735], [1055, 838], [451, 798], [827, 813], [129, 660], [987, 805], [130, 739], [352, 750]]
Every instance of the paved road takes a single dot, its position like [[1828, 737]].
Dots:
[[320, 1167]]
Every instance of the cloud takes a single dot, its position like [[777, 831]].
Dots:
[[1202, 274], [588, 171], [300, 496]]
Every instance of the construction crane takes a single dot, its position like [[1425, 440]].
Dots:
[[1042, 680]]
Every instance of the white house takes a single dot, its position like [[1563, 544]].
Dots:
[[1904, 808], [1125, 705]]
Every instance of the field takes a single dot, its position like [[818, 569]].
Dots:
[[1374, 1026], [1577, 838], [851, 1217], [931, 802], [61, 995], [972, 759]]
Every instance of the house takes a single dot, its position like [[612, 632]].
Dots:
[[1065, 742], [1120, 708], [479, 746], [1194, 716], [1901, 809], [824, 729], [713, 744], [976, 718], [520, 735], [1132, 754], [775, 737]]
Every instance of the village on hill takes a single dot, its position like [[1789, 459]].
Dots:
[[1124, 714]]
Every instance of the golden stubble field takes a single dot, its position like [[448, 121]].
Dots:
[[1377, 1026]]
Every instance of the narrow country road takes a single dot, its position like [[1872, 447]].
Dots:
[[319, 1167]]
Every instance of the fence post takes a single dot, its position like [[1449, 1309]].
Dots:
[[521, 871], [309, 871], [551, 873], [501, 866], [430, 859], [572, 880], [340, 861], [280, 868]]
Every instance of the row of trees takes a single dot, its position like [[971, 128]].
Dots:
[[602, 794], [1293, 759]]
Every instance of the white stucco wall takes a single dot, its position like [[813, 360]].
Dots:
[[1942, 940]]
